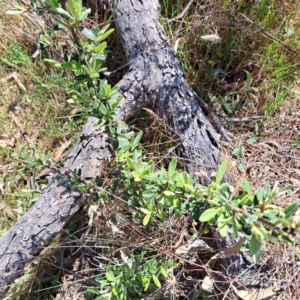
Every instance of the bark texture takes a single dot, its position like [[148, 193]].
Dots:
[[154, 81]]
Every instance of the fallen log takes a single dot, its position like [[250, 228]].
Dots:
[[154, 81]]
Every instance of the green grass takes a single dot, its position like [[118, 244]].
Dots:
[[48, 119]]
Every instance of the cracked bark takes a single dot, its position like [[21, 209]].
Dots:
[[154, 81]]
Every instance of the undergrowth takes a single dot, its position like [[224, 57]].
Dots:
[[242, 58]]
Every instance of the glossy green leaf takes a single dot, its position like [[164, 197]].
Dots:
[[172, 166], [84, 13], [104, 36], [144, 210], [246, 185], [221, 171], [259, 196], [146, 219], [255, 248], [88, 33], [100, 48], [285, 189], [130, 163], [110, 276], [73, 66], [137, 138], [235, 226], [222, 225], [156, 281], [164, 272], [64, 13], [247, 200], [148, 194], [208, 214], [291, 209]]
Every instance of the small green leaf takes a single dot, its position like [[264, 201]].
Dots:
[[259, 234], [246, 185], [103, 36], [53, 63], [137, 139], [146, 219], [163, 272], [289, 31], [81, 78], [208, 214], [249, 79], [214, 72], [247, 200], [168, 193], [222, 225], [144, 210], [100, 48], [110, 276], [64, 13], [255, 249], [156, 281], [84, 13], [284, 221], [73, 66], [102, 109], [291, 209], [221, 171], [259, 196], [148, 194], [235, 226], [172, 166], [252, 139], [130, 163], [285, 189], [88, 33]]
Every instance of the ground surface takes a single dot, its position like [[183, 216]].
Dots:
[[249, 71]]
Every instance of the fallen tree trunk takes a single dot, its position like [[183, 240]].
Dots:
[[154, 81]]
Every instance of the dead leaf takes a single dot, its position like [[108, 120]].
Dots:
[[208, 284], [256, 294], [172, 280], [176, 45], [126, 259], [234, 249], [213, 38], [91, 213], [7, 141], [61, 150], [195, 246], [7, 210]]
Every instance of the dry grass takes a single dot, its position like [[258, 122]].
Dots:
[[269, 144]]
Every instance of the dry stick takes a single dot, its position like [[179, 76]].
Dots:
[[215, 118], [14, 75], [181, 17], [242, 119], [295, 276], [183, 13], [268, 34]]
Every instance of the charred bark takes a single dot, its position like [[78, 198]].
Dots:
[[154, 81]]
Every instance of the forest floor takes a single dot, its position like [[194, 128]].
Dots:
[[241, 57]]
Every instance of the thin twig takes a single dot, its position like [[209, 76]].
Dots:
[[241, 119], [268, 34], [215, 119]]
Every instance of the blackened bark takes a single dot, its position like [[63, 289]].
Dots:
[[155, 81]]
